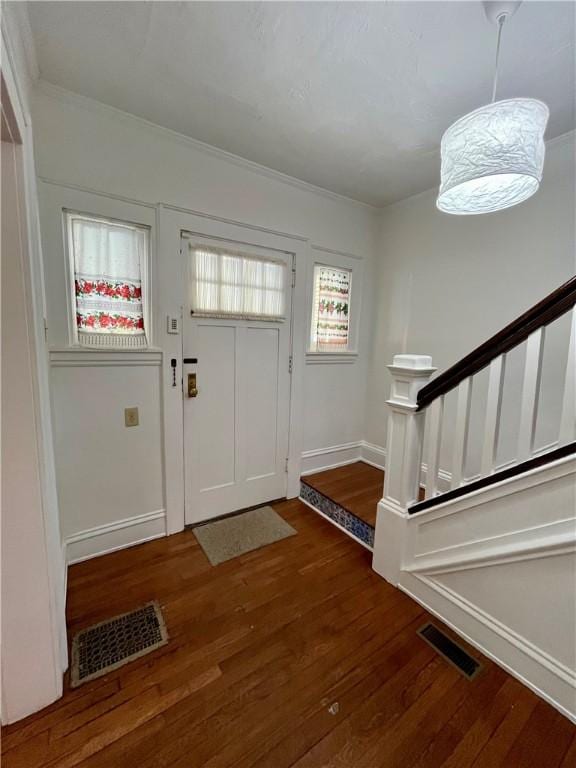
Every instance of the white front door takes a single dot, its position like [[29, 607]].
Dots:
[[236, 426]]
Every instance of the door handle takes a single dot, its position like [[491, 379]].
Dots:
[[192, 388]]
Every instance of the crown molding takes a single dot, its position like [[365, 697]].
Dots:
[[16, 21], [565, 138], [19, 53], [57, 93], [65, 96], [332, 251], [27, 38]]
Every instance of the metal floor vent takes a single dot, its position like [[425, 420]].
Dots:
[[108, 645], [450, 650]]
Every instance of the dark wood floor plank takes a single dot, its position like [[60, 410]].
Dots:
[[544, 740], [53, 716], [382, 708], [485, 726], [313, 659], [477, 699], [392, 665], [260, 650], [299, 696], [356, 487], [192, 712], [495, 751], [569, 760]]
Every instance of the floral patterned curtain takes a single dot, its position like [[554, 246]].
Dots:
[[330, 320], [108, 258]]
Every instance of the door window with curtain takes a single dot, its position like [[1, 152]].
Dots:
[[108, 260], [330, 325], [228, 283]]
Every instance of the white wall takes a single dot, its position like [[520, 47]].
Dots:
[[446, 283], [110, 476], [34, 652], [84, 144]]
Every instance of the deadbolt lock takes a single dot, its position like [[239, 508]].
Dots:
[[192, 388]]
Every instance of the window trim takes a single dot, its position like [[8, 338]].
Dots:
[[145, 280], [310, 351], [324, 257]]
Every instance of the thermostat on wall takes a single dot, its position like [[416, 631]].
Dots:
[[173, 324]]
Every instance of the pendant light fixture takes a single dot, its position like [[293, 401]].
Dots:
[[493, 158]]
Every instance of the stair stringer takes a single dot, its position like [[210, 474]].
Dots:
[[499, 567]]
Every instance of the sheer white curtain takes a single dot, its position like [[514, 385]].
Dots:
[[107, 258], [230, 283]]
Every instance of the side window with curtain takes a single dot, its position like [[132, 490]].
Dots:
[[226, 283], [108, 261], [329, 331]]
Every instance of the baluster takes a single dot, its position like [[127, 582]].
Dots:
[[436, 415], [493, 408], [530, 392], [568, 417], [461, 431]]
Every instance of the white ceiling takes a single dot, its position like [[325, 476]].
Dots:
[[352, 97]]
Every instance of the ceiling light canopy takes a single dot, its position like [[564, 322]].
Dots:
[[493, 158]]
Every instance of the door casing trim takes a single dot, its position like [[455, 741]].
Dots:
[[171, 223]]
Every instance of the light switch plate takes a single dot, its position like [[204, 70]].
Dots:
[[131, 417]]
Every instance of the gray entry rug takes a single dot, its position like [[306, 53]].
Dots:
[[234, 536]]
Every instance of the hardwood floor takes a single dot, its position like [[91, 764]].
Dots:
[[356, 487], [296, 655]]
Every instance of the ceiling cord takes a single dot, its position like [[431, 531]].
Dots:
[[501, 20]]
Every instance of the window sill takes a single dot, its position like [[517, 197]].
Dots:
[[104, 350], [331, 358], [68, 357]]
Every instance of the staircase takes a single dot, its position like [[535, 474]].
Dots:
[[491, 548]]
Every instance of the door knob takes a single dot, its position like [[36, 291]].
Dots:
[[192, 388]]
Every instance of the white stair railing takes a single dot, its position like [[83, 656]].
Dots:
[[410, 373], [416, 401], [568, 417], [531, 330]]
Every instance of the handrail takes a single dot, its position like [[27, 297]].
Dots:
[[497, 477], [544, 312]]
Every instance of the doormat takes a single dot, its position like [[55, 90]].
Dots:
[[234, 536], [110, 644]]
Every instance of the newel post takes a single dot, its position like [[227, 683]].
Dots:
[[403, 462]]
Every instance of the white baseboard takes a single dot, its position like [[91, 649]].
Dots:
[[320, 459], [373, 454], [111, 537], [444, 478], [532, 669], [334, 456]]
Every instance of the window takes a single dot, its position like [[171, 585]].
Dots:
[[108, 261], [231, 284], [330, 309]]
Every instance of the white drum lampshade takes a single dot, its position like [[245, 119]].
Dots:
[[493, 157]]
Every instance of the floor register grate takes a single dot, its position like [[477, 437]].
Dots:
[[450, 650], [108, 645]]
